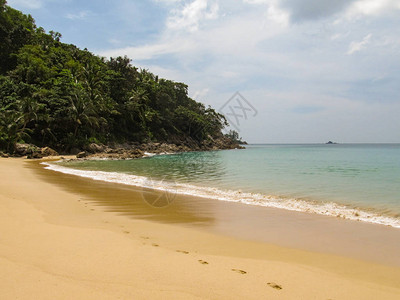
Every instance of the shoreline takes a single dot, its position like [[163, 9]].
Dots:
[[295, 229], [328, 209], [128, 150], [58, 243]]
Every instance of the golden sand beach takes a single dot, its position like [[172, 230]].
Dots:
[[58, 242]]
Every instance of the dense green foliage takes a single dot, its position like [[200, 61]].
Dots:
[[233, 135], [55, 94]]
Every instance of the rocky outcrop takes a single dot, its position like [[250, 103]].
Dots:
[[35, 154], [222, 143], [136, 150], [47, 151], [130, 150], [81, 154], [95, 148], [32, 151], [25, 149], [159, 148]]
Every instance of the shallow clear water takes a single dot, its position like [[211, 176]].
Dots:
[[352, 181]]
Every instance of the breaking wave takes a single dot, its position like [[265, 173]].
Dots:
[[293, 204]]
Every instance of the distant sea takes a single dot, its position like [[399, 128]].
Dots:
[[352, 181]]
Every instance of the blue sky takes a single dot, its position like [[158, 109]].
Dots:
[[313, 70]]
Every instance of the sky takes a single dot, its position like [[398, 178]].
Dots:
[[282, 71]]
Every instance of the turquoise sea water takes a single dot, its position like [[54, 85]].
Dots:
[[353, 181]]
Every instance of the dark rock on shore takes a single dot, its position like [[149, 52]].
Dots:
[[25, 149], [129, 150], [43, 152], [135, 150], [47, 151], [226, 143], [81, 154], [95, 148], [35, 154], [32, 151]]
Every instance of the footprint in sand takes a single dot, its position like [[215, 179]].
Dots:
[[203, 262], [155, 245], [182, 251], [274, 285], [239, 271], [126, 232], [144, 237]]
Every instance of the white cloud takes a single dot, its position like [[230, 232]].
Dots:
[[147, 52], [276, 14], [168, 1], [306, 10], [256, 1], [252, 47], [82, 15], [199, 95], [358, 46], [273, 10], [191, 15], [315, 9], [282, 55], [233, 36], [372, 8], [115, 42]]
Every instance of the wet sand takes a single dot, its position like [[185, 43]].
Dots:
[[67, 237], [360, 240]]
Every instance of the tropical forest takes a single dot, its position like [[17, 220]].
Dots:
[[57, 95]]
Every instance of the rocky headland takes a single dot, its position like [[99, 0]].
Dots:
[[129, 150]]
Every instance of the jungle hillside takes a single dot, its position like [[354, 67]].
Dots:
[[55, 94]]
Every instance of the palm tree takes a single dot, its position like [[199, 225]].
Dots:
[[29, 108], [14, 119], [82, 111], [12, 128]]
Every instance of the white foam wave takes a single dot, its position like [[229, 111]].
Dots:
[[327, 209]]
